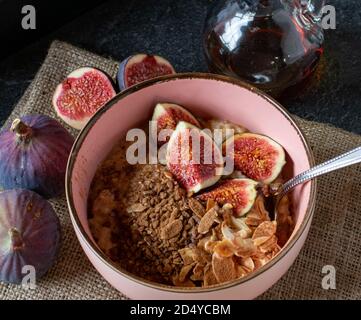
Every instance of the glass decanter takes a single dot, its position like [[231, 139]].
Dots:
[[272, 44]]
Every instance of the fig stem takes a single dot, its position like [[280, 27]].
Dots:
[[21, 129], [16, 239]]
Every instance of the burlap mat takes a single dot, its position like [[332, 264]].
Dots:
[[334, 239]]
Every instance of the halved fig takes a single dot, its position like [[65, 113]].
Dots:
[[168, 115], [193, 158], [258, 157], [141, 67], [224, 128], [81, 94], [240, 193]]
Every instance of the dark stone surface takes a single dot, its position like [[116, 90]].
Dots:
[[173, 29]]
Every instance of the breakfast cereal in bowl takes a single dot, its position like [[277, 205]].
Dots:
[[184, 200]]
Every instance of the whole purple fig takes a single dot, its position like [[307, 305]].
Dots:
[[33, 155], [29, 235]]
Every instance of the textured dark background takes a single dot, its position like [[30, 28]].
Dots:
[[173, 29]]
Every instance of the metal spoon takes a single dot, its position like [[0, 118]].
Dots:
[[344, 160]]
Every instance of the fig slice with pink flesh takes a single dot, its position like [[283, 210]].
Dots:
[[240, 193], [258, 157], [225, 128], [168, 115], [140, 67], [193, 158], [81, 94]]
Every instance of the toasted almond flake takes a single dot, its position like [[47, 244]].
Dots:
[[207, 221], [196, 207], [186, 255], [224, 269], [210, 204], [202, 242], [224, 248], [209, 278], [200, 256], [244, 247], [227, 232], [259, 262], [265, 230], [252, 221], [248, 264], [171, 229], [210, 245], [185, 271], [241, 272], [270, 255], [227, 206], [198, 272], [269, 245], [186, 283], [243, 230], [258, 213], [258, 241], [137, 207]]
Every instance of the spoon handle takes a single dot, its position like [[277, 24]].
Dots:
[[344, 160]]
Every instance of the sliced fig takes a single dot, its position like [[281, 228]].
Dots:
[[224, 128], [193, 158], [81, 94], [258, 157], [141, 67], [240, 193], [168, 115]]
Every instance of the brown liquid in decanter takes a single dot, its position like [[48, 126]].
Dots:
[[265, 43]]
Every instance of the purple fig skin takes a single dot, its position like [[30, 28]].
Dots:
[[135, 59], [121, 74], [35, 159], [29, 234]]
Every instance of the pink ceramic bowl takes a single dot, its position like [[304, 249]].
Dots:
[[207, 95]]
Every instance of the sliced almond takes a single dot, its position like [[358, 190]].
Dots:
[[186, 255], [227, 207], [264, 231], [244, 247], [210, 245], [186, 283], [224, 269], [198, 273], [259, 262], [269, 245], [209, 278], [185, 271], [171, 229], [202, 242], [196, 207], [200, 256], [247, 264], [137, 207], [207, 221], [224, 248], [243, 230], [258, 213], [227, 232], [210, 204], [241, 272]]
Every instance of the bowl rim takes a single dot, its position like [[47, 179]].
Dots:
[[154, 285]]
